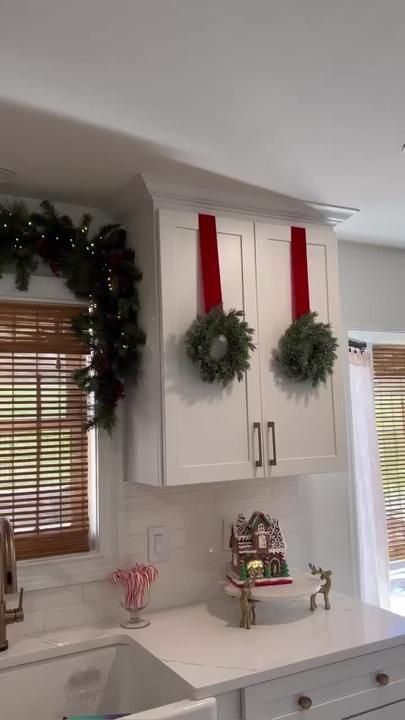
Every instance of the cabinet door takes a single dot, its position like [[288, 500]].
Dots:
[[209, 431], [308, 435]]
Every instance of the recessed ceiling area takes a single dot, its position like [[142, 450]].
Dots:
[[302, 97]]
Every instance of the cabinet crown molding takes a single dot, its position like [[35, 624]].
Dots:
[[230, 197]]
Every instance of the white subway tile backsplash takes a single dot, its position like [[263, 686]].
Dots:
[[96, 613], [33, 623], [197, 560], [52, 597], [294, 552], [177, 538], [242, 490], [98, 590]]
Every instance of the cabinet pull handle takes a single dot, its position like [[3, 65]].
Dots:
[[271, 425], [305, 702], [382, 679], [258, 426]]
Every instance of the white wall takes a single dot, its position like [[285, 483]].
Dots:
[[372, 287]]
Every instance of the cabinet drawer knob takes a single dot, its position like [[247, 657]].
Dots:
[[382, 678], [305, 702]]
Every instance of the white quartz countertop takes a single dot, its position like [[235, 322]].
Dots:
[[204, 645]]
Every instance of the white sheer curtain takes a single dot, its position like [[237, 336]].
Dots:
[[373, 547]]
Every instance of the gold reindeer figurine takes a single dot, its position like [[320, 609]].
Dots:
[[325, 589], [247, 605]]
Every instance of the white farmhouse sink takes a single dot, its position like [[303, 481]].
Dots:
[[90, 678]]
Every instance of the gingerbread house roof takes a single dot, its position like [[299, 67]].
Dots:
[[242, 533], [259, 517]]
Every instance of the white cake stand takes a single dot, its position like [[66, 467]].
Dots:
[[303, 586]]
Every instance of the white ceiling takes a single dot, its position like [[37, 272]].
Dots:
[[304, 97]]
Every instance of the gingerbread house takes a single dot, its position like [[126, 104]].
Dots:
[[259, 551]]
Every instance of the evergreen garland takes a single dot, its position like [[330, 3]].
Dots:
[[234, 330], [307, 350], [98, 269]]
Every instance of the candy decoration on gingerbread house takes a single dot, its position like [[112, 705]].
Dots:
[[258, 551]]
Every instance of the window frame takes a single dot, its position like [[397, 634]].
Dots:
[[391, 512], [96, 564], [375, 337]]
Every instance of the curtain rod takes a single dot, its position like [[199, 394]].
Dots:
[[357, 344]]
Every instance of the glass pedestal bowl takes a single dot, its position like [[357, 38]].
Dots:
[[134, 621]]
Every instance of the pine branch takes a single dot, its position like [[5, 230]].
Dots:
[[111, 331]]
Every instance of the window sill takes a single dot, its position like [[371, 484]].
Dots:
[[398, 603], [397, 582], [397, 574], [66, 570]]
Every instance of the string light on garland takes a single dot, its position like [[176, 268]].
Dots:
[[112, 314]]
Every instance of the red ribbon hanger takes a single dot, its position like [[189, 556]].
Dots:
[[210, 271], [211, 277], [299, 273]]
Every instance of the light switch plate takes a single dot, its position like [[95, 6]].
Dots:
[[158, 540]]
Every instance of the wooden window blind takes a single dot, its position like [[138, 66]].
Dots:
[[43, 439], [389, 388]]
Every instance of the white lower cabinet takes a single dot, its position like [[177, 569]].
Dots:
[[354, 688], [394, 711], [343, 710]]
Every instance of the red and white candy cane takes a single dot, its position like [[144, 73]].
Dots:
[[135, 582]]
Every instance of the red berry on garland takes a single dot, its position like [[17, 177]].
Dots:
[[117, 390], [115, 260], [55, 267], [40, 244], [124, 282], [101, 363], [48, 251]]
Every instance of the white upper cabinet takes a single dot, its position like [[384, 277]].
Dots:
[[209, 431], [181, 430], [304, 428]]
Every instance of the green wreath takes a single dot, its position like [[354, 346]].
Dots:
[[219, 344], [99, 269], [307, 350]]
